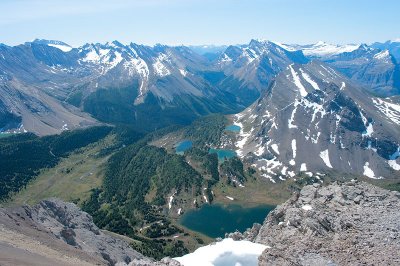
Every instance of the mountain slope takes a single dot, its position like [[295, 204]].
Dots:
[[254, 65], [116, 83], [313, 110], [392, 46], [375, 69]]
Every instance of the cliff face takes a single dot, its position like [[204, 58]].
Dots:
[[349, 224], [58, 233]]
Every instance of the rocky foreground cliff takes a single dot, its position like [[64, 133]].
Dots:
[[353, 223], [341, 224], [58, 233]]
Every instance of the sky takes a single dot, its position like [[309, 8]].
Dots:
[[196, 22]]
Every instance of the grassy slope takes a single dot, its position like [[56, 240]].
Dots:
[[70, 180]]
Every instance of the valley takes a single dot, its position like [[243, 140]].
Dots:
[[170, 149]]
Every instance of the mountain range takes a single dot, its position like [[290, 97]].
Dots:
[[313, 119], [49, 86]]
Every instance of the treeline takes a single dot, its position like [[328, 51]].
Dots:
[[22, 156]]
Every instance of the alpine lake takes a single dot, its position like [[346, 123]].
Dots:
[[217, 219]]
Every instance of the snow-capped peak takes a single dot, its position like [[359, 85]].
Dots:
[[382, 55], [325, 49], [320, 49], [54, 43]]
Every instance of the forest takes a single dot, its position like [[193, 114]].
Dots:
[[22, 156]]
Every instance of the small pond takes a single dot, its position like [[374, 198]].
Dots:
[[233, 128], [182, 146]]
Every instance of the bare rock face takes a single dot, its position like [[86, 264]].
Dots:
[[57, 225], [75, 227], [349, 224]]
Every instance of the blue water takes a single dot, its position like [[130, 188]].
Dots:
[[223, 154], [216, 220], [233, 128], [182, 146]]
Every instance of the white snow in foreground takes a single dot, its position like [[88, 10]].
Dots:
[[325, 157], [64, 48], [226, 252], [297, 82], [309, 80], [307, 207]]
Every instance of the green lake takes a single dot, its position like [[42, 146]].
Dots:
[[223, 154], [216, 220]]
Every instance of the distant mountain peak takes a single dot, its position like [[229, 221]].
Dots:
[[54, 43]]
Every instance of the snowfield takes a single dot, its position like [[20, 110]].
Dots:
[[226, 252]]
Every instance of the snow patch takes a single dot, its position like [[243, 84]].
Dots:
[[171, 198], [309, 80], [325, 157], [394, 165], [297, 82], [368, 172], [391, 110], [275, 148], [294, 148], [64, 48], [225, 252], [183, 72]]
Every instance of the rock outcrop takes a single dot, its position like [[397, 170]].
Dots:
[[62, 229], [354, 223]]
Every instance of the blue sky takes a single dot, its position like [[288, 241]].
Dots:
[[199, 21]]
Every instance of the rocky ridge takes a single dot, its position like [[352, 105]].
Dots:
[[59, 230], [354, 223]]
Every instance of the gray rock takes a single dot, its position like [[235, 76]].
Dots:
[[357, 224], [64, 226]]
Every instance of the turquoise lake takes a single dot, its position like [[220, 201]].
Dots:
[[222, 153], [182, 146], [216, 220], [233, 128]]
